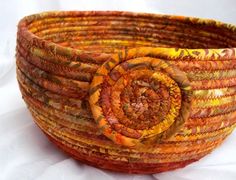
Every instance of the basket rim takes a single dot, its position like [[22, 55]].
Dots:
[[214, 53]]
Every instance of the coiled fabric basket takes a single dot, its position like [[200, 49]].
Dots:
[[129, 92]]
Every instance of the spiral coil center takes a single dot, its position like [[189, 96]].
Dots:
[[139, 99]]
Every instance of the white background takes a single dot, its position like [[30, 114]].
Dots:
[[26, 154]]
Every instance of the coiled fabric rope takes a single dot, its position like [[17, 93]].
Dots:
[[129, 92]]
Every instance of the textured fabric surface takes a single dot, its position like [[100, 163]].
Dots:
[[25, 153]]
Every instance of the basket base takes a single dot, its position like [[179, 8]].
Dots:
[[123, 167]]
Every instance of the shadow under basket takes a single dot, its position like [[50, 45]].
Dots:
[[129, 92]]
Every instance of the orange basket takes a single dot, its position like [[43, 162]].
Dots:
[[129, 92]]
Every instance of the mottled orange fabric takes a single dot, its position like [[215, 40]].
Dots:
[[129, 92]]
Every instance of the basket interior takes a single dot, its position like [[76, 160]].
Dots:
[[110, 33]]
